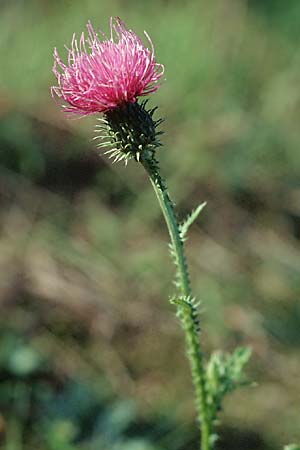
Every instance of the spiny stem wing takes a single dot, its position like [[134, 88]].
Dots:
[[190, 220]]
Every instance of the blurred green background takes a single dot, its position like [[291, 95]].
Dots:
[[91, 354]]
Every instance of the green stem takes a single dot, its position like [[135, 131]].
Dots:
[[191, 332]]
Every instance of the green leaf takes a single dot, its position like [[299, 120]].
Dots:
[[224, 374], [292, 447], [188, 312], [190, 220]]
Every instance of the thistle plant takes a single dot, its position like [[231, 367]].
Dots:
[[108, 76]]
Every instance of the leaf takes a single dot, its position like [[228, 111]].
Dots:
[[224, 374], [188, 312], [190, 220], [292, 447]]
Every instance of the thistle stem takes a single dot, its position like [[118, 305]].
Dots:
[[191, 333]]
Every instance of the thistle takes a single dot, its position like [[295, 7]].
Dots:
[[108, 76], [101, 76], [129, 131]]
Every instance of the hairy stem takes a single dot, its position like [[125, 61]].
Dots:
[[184, 311]]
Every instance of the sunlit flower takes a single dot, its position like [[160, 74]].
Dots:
[[101, 75]]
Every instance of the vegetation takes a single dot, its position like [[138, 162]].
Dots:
[[90, 357]]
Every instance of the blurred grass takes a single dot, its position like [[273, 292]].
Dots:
[[86, 331]]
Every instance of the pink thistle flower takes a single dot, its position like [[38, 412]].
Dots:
[[102, 75]]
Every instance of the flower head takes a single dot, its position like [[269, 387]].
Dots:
[[129, 132], [102, 75]]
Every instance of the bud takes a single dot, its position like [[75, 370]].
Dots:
[[129, 131]]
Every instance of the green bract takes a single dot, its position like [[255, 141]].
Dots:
[[128, 131]]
